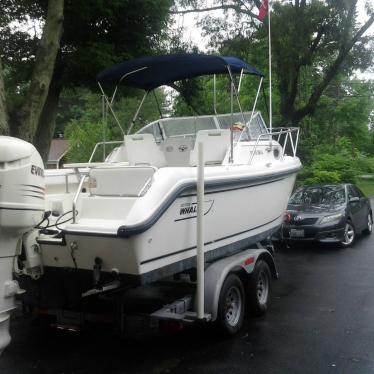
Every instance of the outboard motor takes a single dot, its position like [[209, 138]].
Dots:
[[22, 205]]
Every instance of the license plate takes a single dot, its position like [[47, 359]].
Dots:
[[297, 233]]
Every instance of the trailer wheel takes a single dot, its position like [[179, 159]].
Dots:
[[259, 286], [231, 305]]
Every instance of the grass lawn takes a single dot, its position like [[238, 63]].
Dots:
[[366, 185]]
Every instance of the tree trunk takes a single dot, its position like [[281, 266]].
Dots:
[[27, 118], [4, 127], [47, 122]]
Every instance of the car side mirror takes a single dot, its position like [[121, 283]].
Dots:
[[354, 199]]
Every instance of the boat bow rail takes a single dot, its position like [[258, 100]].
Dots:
[[177, 138], [287, 138]]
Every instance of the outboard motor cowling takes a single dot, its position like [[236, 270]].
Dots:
[[22, 205]]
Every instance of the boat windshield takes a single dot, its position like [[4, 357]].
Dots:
[[189, 126]]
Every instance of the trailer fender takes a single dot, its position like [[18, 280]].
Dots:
[[216, 273]]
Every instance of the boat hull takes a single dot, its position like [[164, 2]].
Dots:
[[169, 246]]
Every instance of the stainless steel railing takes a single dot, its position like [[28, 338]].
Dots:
[[288, 138], [103, 143], [84, 176], [76, 197]]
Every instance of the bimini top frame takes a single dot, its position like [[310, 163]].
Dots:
[[149, 73]]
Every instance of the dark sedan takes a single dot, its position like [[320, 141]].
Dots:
[[327, 213]]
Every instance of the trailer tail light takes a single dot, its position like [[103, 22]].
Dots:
[[249, 261]]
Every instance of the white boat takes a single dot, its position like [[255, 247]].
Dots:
[[132, 218], [134, 214]]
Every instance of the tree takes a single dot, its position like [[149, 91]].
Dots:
[[316, 40], [4, 126], [96, 35], [25, 120], [327, 42]]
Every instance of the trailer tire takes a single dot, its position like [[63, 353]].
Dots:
[[259, 289], [231, 305]]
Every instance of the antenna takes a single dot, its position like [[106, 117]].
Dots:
[[270, 90]]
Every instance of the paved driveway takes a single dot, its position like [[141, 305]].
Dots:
[[321, 321]]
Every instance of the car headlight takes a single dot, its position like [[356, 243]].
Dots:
[[332, 218]]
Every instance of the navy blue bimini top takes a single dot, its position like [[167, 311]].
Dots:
[[149, 73]]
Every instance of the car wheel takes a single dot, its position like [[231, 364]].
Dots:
[[231, 306], [369, 227], [259, 289], [349, 235]]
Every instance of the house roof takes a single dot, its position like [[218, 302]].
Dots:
[[58, 149]]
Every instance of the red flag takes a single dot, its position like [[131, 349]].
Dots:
[[263, 10]]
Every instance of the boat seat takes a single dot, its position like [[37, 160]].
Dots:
[[216, 143], [119, 180], [141, 149]]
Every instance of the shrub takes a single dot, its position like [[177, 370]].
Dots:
[[365, 164], [340, 167], [323, 176]]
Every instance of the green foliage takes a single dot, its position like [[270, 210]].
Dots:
[[337, 139], [96, 35], [336, 163], [313, 47], [365, 164], [85, 123], [82, 138], [324, 176], [340, 164]]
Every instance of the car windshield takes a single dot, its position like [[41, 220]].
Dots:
[[327, 195]]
